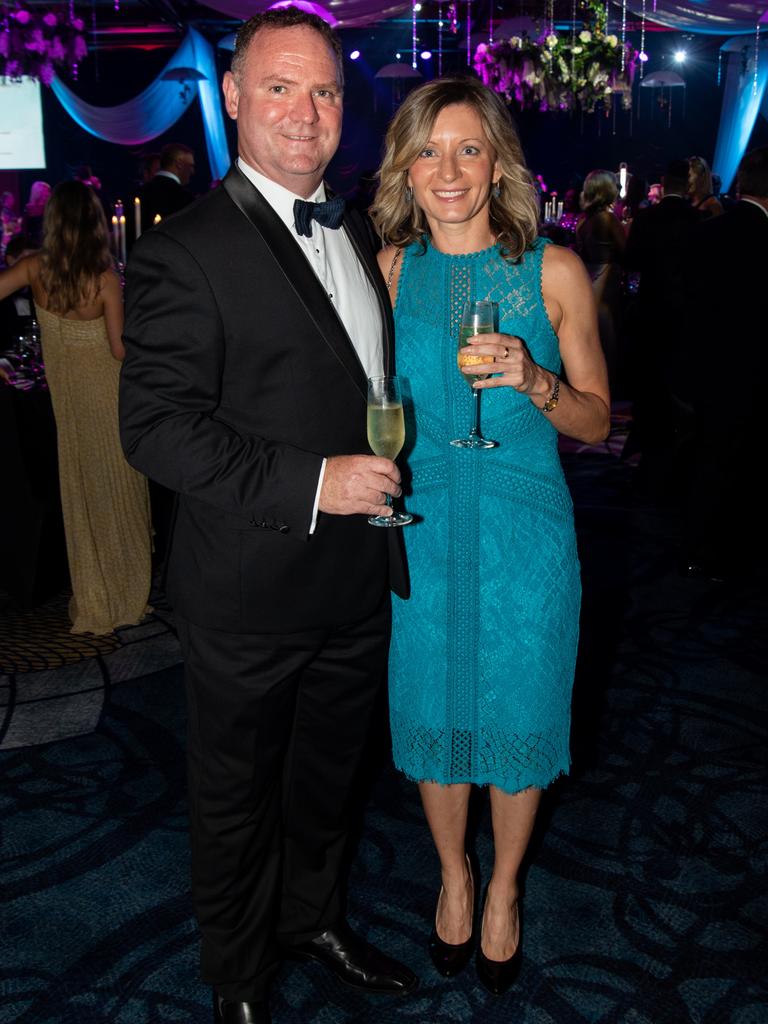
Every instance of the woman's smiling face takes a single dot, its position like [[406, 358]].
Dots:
[[453, 175]]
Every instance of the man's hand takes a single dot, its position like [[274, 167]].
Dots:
[[357, 485]]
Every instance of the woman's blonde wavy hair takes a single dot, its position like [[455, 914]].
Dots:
[[514, 213], [75, 251]]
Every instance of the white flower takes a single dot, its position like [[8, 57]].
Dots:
[[545, 55], [577, 49], [608, 90], [481, 48], [585, 36], [612, 40], [551, 41], [515, 42]]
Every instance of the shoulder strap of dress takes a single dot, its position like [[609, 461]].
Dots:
[[391, 274]]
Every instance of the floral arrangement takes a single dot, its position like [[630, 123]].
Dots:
[[34, 41], [575, 69]]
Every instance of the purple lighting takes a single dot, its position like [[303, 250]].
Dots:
[[354, 55], [643, 56], [426, 55]]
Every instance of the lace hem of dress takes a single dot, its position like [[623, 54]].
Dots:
[[483, 783], [491, 755]]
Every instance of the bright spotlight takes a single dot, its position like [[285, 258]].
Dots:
[[417, 7], [398, 56], [643, 56], [426, 55], [679, 56], [354, 55]]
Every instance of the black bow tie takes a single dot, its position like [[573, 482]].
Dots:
[[330, 214]]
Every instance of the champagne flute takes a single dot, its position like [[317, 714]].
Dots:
[[477, 318], [386, 434]]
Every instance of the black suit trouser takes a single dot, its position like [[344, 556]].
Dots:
[[277, 728]]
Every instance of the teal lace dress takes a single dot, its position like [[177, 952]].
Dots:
[[483, 652]]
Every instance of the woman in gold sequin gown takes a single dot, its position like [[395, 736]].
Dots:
[[105, 502]]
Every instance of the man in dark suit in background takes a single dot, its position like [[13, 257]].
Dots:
[[164, 194], [727, 342], [167, 192], [659, 247], [249, 335]]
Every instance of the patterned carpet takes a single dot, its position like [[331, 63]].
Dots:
[[645, 896]]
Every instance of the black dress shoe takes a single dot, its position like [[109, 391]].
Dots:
[[498, 975], [355, 962], [226, 1012]]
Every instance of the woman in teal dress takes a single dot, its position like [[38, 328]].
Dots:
[[483, 652]]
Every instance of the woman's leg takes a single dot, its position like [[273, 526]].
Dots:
[[446, 810], [513, 815]]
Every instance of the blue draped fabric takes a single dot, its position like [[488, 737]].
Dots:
[[159, 106], [741, 104]]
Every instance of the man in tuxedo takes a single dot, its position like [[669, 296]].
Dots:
[[251, 328], [167, 192], [658, 246], [727, 345]]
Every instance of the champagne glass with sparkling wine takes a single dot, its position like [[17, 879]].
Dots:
[[386, 433], [477, 318]]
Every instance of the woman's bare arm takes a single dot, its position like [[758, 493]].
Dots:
[[112, 294]]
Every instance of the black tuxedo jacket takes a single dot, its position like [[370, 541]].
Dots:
[[238, 378], [164, 196]]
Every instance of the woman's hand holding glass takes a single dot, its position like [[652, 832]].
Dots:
[[508, 361]]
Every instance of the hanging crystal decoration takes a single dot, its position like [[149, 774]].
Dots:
[[624, 35], [469, 32], [415, 8], [719, 65], [642, 55], [439, 39], [757, 58], [573, 45]]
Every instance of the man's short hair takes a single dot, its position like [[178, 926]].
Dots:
[[171, 152], [752, 178], [288, 17], [676, 177]]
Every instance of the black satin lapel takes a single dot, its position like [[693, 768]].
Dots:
[[361, 239], [297, 271]]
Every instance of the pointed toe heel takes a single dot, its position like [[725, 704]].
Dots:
[[449, 959], [498, 975]]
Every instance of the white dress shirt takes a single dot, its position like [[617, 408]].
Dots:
[[333, 259]]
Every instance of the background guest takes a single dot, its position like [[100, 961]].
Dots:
[[658, 247], [10, 220], [600, 241], [726, 349], [79, 306], [32, 220], [167, 191], [700, 188]]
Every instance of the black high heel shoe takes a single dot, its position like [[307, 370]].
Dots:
[[498, 975], [449, 958]]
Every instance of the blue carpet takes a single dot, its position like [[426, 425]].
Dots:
[[645, 894]]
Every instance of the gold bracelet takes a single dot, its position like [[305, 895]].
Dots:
[[554, 398]]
